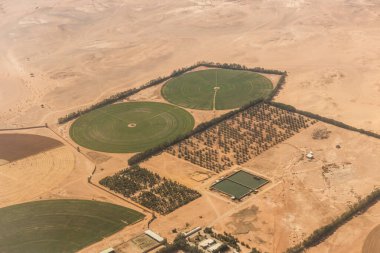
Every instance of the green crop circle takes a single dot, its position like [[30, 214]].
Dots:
[[130, 127], [218, 89]]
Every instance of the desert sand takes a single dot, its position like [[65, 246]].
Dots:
[[59, 56], [66, 54]]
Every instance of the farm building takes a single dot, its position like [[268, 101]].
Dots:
[[155, 236], [191, 232]]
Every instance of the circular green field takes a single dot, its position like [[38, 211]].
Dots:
[[60, 225], [218, 89], [130, 127]]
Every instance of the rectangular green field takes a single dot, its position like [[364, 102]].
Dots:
[[239, 184], [248, 180], [231, 188]]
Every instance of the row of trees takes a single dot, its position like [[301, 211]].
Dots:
[[280, 84], [323, 119], [227, 238], [125, 94], [324, 232], [180, 244]]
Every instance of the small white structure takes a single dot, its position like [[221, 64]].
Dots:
[[215, 247], [155, 236], [310, 155], [193, 231], [109, 250], [206, 243]]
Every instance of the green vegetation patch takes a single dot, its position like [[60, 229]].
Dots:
[[60, 225], [218, 89], [239, 184], [247, 179], [130, 127], [231, 188]]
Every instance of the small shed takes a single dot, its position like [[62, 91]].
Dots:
[[310, 155]]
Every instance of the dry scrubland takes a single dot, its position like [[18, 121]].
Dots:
[[57, 56]]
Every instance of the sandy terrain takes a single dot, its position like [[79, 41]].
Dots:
[[66, 54], [47, 170]]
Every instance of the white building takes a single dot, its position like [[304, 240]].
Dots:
[[155, 236], [310, 155], [193, 231]]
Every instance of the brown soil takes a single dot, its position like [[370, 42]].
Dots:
[[18, 146], [178, 170]]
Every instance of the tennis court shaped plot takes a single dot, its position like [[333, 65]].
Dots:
[[141, 243], [216, 89], [239, 184]]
